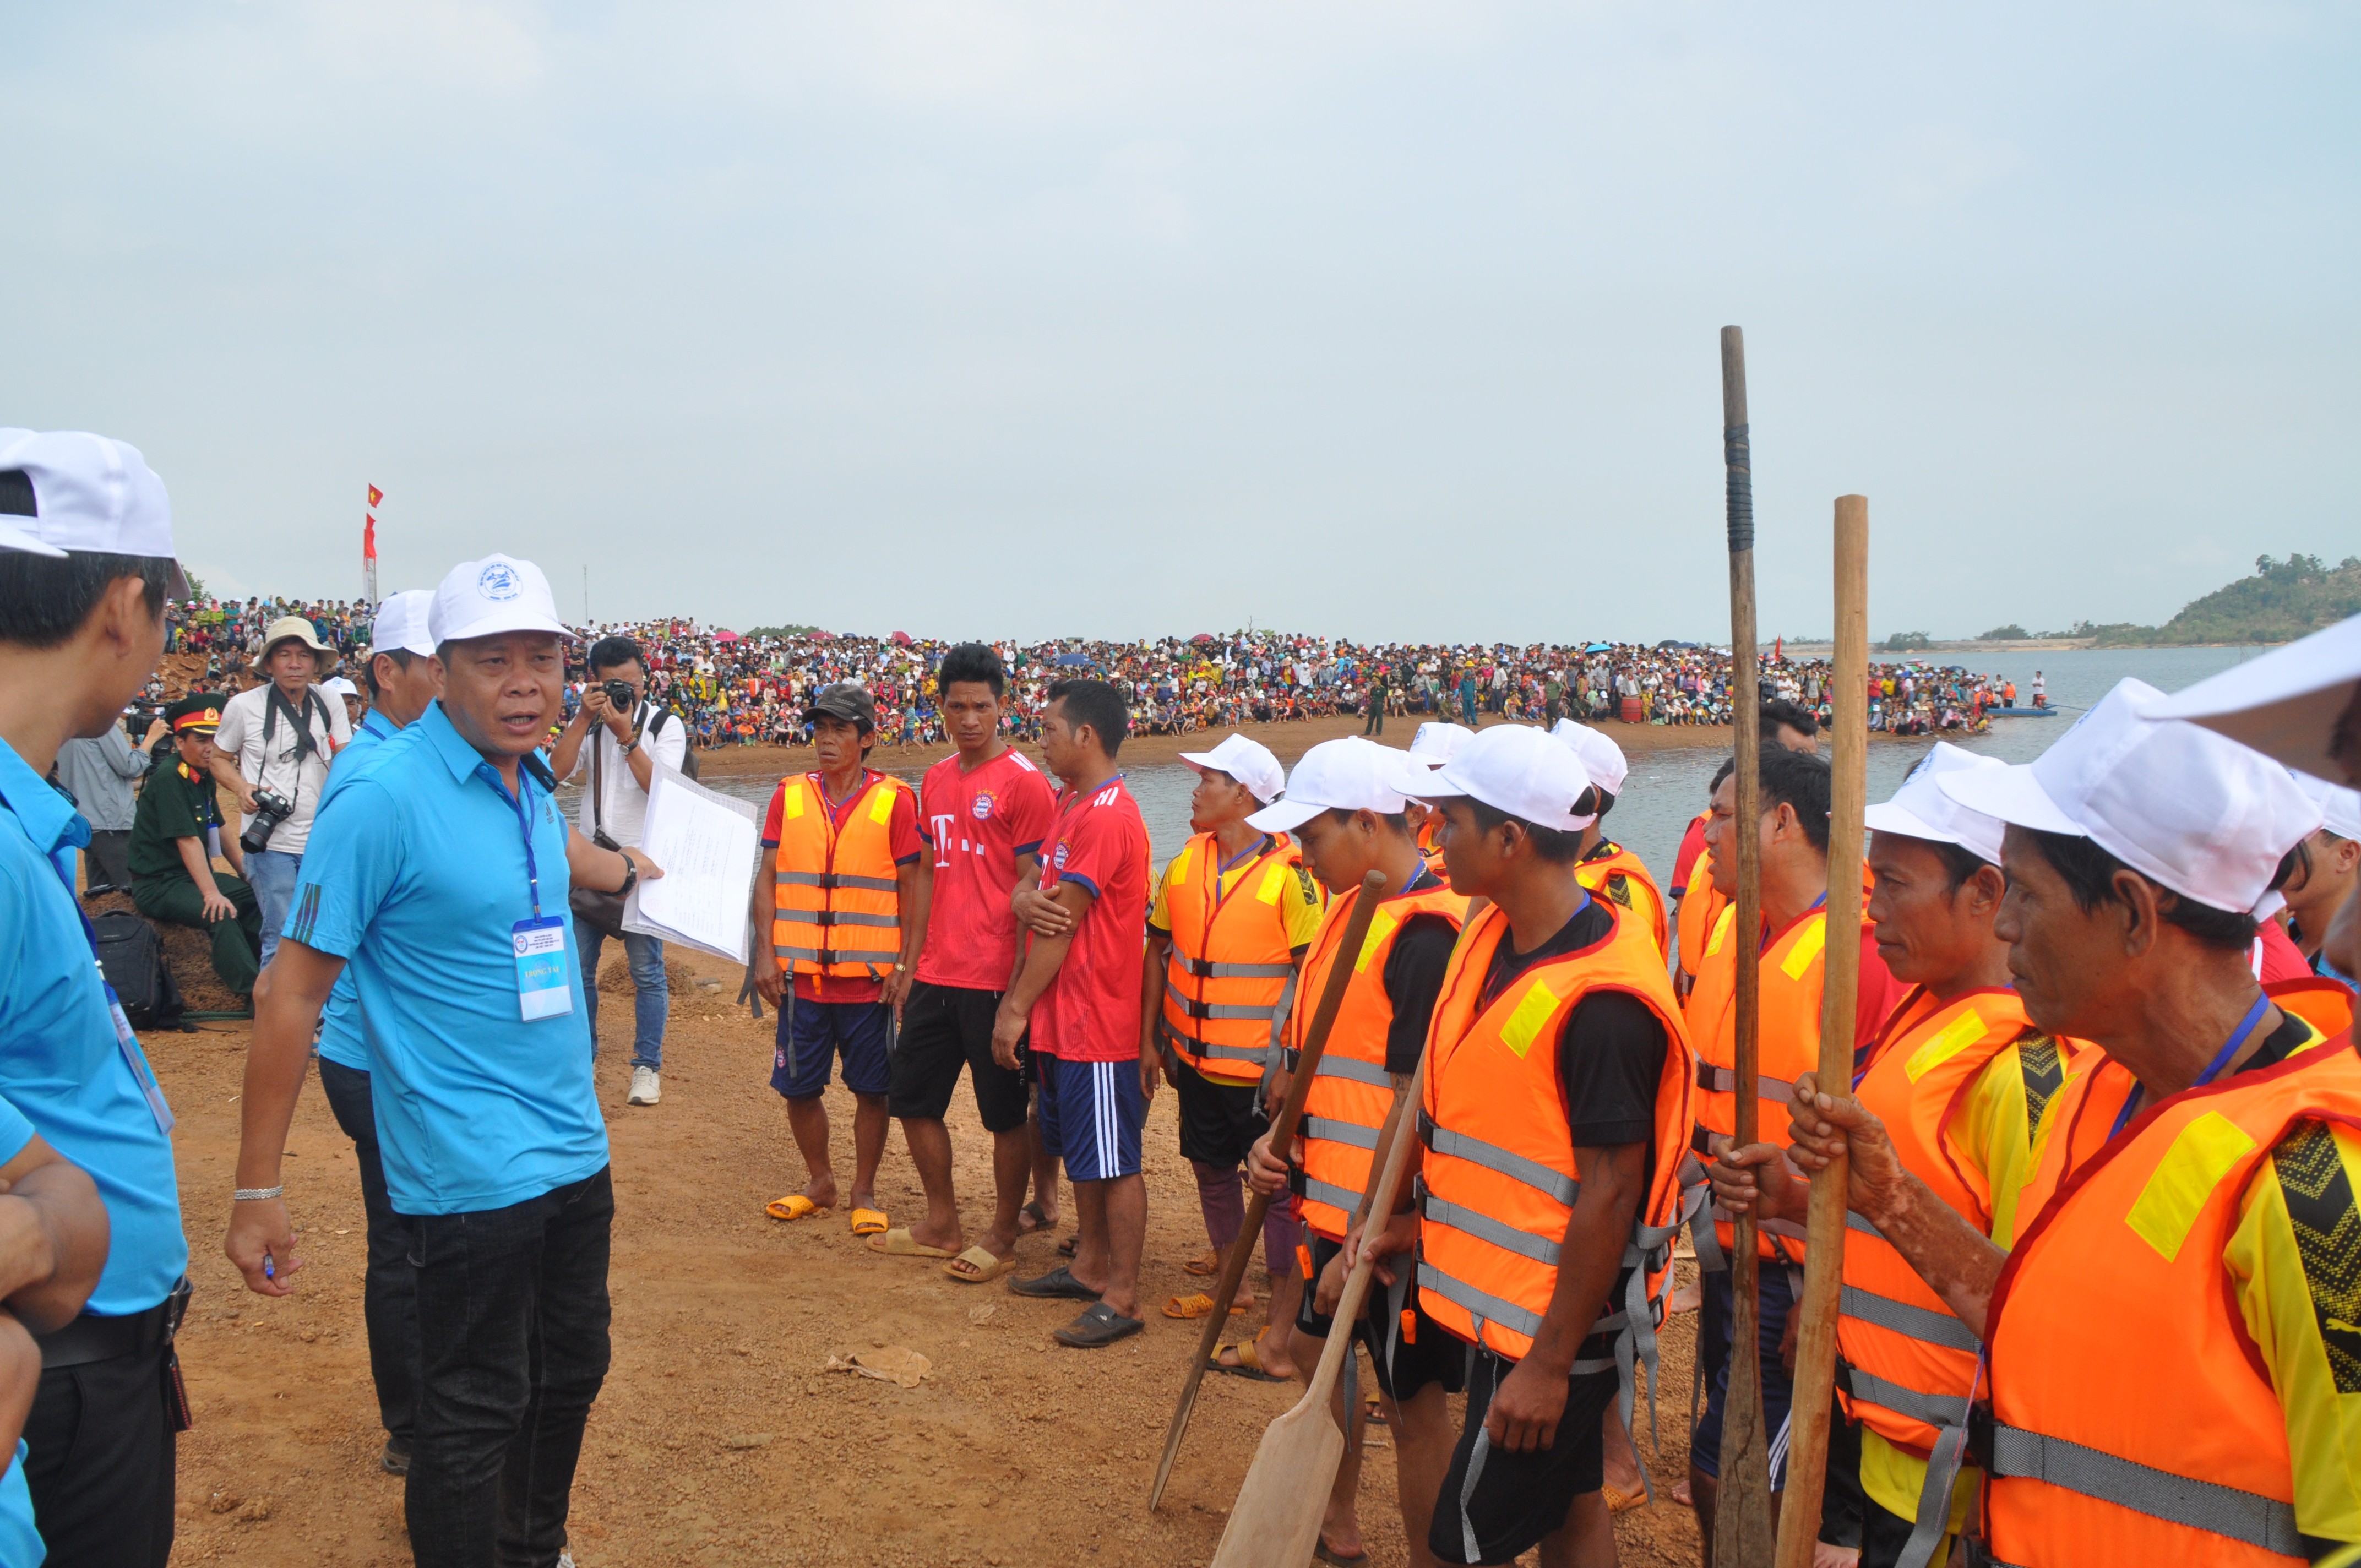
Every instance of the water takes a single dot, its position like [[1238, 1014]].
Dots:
[[1668, 787]]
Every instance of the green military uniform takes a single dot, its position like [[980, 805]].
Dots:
[[180, 802]]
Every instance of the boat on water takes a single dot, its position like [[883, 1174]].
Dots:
[[2020, 713]]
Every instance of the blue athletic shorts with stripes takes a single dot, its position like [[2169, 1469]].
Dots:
[[1777, 1296], [1091, 1114], [813, 1034]]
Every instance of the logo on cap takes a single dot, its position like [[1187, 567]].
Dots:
[[499, 582]]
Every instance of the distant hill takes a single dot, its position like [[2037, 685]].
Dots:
[[2283, 601]]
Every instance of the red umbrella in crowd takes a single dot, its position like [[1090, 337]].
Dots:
[[725, 637], [901, 639], [1202, 637]]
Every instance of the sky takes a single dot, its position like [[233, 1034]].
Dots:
[[1379, 318]]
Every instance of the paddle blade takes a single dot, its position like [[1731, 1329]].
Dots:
[[1277, 1518]]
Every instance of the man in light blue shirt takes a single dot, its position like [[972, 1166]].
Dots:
[[85, 567], [439, 876], [403, 681]]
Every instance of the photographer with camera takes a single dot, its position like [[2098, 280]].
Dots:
[[618, 736], [272, 752], [99, 772]]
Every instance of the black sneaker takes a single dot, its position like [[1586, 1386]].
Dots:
[[396, 1457]]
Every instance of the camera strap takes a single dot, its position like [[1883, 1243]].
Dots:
[[305, 744]]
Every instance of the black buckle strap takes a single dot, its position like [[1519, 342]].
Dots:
[[90, 1339], [1979, 1435]]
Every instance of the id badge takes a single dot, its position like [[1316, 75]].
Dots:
[[544, 989], [129, 1043]]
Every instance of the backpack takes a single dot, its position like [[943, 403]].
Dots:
[[688, 752], [133, 961]]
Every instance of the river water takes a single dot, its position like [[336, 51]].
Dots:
[[1668, 787]]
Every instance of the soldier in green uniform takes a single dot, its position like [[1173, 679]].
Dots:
[[174, 838]]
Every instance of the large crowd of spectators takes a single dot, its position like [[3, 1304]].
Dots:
[[735, 690]]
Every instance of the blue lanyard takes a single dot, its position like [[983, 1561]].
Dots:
[[1247, 856], [2213, 1069], [524, 825]]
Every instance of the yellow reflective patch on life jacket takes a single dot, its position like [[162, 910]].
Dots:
[[1381, 926], [1809, 944], [2200, 1158], [793, 801], [1720, 930], [1960, 1034], [1525, 1022], [1273, 881], [881, 810]]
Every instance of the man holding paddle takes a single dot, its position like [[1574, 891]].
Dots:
[[1344, 803], [1554, 1109]]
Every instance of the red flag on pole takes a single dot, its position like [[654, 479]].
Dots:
[[377, 497], [368, 541]]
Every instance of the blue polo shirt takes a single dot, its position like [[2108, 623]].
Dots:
[[340, 1020], [59, 1063], [416, 874]]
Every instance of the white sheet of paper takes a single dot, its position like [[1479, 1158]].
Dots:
[[706, 845]]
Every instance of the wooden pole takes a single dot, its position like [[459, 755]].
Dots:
[[1742, 1530], [1815, 1340], [1282, 1134]]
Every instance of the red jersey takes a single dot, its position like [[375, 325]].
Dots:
[[2273, 956], [1090, 1011], [902, 838], [1692, 845], [979, 824]]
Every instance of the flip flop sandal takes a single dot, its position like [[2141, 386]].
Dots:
[[982, 1268], [899, 1243], [1201, 1266], [1327, 1553], [1100, 1325], [795, 1206], [1188, 1308], [1070, 1247], [1249, 1364], [1035, 1212], [1620, 1501], [871, 1223], [1059, 1284]]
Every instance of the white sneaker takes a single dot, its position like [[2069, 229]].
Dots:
[[647, 1085]]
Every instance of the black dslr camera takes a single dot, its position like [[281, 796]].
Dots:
[[621, 697], [270, 809]]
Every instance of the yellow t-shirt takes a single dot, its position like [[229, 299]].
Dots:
[[1291, 890], [1995, 1133]]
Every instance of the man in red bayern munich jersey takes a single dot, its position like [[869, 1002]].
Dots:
[[1080, 989], [982, 814]]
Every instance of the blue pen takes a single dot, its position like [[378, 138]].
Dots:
[[269, 1270]]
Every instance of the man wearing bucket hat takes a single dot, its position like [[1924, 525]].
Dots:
[[175, 836], [85, 568], [439, 876], [1606, 868], [2199, 1174], [273, 752], [404, 678], [1964, 1077], [1231, 917], [1344, 803], [1555, 1112]]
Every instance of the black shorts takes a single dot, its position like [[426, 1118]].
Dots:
[[1496, 1505], [1219, 1122], [1405, 1363], [945, 1027]]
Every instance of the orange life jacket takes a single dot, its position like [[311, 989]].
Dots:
[[2146, 1431], [839, 908], [2325, 1005], [1230, 976], [1345, 1107], [1913, 1362], [1498, 1181], [1617, 875], [1787, 1041], [1700, 911]]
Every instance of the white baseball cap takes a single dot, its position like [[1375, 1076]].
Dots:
[[336, 686], [2285, 704], [1350, 775], [2340, 806], [497, 594], [400, 622], [1920, 809], [1518, 768], [64, 491], [2203, 816], [1249, 762], [1437, 742], [1602, 759]]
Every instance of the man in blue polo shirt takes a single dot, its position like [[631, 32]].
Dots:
[[439, 875], [403, 680], [85, 566]]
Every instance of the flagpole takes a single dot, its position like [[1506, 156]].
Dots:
[[368, 546]]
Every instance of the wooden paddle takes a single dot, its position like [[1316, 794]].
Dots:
[[1741, 1525], [1277, 1518], [1282, 1136], [1815, 1339]]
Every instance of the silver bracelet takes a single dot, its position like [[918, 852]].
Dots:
[[257, 1194]]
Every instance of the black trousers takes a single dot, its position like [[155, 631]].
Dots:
[[512, 1322], [100, 1450], [389, 1289]]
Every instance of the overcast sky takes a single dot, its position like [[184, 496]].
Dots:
[[1382, 319]]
